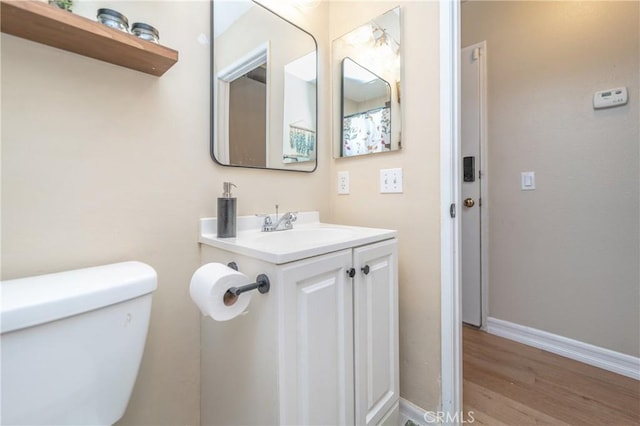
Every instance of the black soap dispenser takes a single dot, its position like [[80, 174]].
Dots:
[[227, 213]]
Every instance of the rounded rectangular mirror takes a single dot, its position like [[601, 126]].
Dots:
[[367, 115], [264, 89]]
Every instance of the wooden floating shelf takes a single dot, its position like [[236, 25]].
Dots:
[[42, 23]]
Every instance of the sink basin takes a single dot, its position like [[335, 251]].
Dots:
[[309, 237], [302, 237]]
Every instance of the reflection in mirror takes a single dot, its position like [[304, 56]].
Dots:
[[248, 103], [299, 136], [264, 93], [367, 61], [366, 111]]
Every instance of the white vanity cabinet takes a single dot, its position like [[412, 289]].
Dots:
[[320, 348], [316, 331], [375, 322], [340, 337]]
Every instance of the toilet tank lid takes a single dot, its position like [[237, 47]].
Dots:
[[30, 301]]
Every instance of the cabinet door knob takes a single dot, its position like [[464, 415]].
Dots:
[[351, 272], [365, 269]]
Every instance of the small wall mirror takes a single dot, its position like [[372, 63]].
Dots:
[[264, 92], [366, 61]]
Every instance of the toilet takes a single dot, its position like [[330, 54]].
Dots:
[[71, 344]]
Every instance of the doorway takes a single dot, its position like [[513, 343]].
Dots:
[[562, 265], [473, 212]]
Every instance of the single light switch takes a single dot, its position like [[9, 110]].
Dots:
[[528, 181]]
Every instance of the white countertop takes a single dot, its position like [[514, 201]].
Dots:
[[309, 237]]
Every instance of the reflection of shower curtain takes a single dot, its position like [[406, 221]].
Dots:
[[367, 132], [303, 141]]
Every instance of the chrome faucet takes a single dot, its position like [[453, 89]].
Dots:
[[281, 223]]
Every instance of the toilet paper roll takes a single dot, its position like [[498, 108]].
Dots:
[[208, 286]]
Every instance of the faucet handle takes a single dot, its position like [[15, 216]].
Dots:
[[267, 223], [267, 218]]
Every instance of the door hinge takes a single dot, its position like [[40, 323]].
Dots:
[[479, 202], [452, 210], [475, 54]]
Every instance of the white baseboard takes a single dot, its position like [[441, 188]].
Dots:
[[410, 411], [607, 359]]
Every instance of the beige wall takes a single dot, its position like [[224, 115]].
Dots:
[[102, 164], [415, 213], [563, 258]]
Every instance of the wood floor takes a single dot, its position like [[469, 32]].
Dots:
[[507, 383]]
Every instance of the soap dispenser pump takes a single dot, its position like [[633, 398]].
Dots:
[[227, 213]]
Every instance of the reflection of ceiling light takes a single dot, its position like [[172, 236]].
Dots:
[[372, 35], [382, 38], [359, 36]]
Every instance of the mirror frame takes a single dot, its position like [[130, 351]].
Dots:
[[212, 85]]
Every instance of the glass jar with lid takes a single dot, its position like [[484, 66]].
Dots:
[[145, 32], [114, 19]]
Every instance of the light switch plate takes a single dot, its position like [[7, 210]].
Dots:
[[528, 181], [343, 183], [391, 181]]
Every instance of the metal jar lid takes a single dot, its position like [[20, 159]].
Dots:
[[142, 26], [115, 14]]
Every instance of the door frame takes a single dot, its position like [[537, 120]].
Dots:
[[451, 319], [220, 88], [484, 186], [450, 189], [484, 183]]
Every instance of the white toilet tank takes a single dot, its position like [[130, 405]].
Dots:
[[71, 344]]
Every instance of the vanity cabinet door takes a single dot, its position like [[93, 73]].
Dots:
[[316, 341], [376, 331]]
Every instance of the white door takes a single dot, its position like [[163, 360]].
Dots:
[[471, 132], [316, 341], [376, 331]]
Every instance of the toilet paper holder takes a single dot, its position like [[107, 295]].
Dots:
[[262, 284]]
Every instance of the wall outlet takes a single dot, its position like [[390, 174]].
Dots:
[[391, 181], [343, 183]]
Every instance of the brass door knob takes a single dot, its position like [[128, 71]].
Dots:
[[468, 202]]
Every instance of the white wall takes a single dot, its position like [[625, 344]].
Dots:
[[416, 212], [102, 164], [299, 103], [563, 258]]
